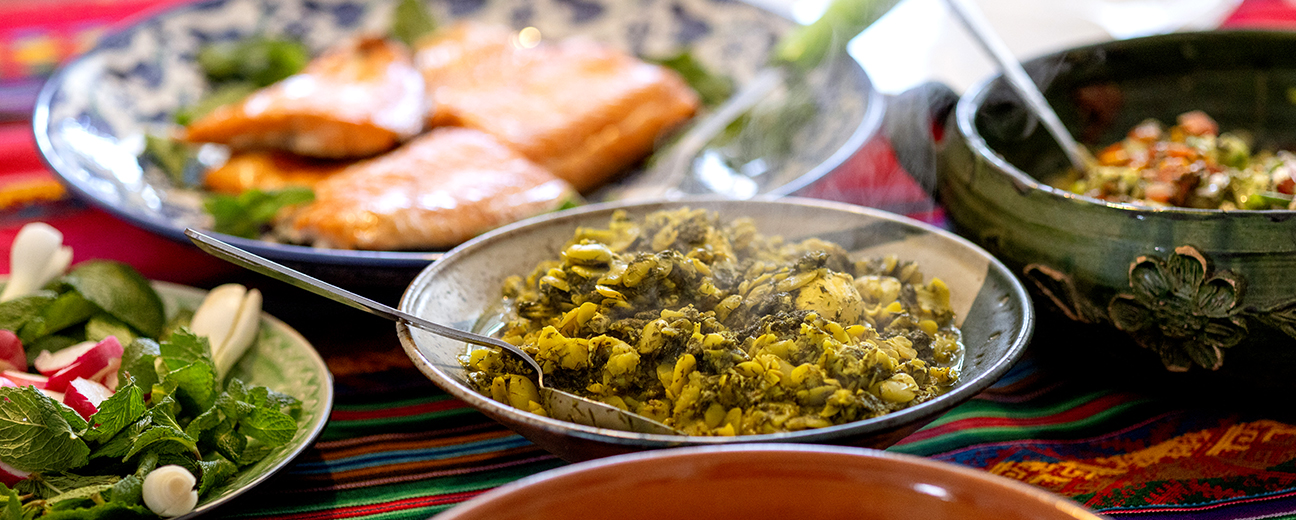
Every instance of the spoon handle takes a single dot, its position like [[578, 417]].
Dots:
[[265, 266], [1020, 82]]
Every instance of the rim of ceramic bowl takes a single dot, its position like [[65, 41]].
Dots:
[[970, 103], [627, 462], [868, 129], [958, 394]]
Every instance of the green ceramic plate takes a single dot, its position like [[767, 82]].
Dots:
[[282, 360]]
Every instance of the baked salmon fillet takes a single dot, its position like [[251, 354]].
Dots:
[[358, 99], [578, 108], [269, 170], [436, 191]]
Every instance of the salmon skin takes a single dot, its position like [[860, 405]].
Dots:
[[578, 108], [360, 98], [434, 192]]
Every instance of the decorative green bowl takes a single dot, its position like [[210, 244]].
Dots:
[[1208, 292]]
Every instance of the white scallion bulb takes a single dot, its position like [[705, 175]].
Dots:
[[169, 491]]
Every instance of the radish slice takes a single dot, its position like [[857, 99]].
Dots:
[[85, 396], [90, 364], [25, 379], [10, 475], [12, 355], [47, 363]]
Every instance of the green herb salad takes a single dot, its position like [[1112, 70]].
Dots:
[[126, 411]]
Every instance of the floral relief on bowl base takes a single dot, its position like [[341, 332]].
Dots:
[[1176, 307]]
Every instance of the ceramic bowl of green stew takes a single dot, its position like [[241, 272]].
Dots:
[[1172, 287], [731, 321]]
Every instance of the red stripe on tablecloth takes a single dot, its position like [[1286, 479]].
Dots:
[[400, 411], [1080, 412], [385, 507]]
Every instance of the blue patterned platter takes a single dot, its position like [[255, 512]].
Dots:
[[91, 117]]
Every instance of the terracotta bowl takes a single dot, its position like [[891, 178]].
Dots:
[[775, 482], [1209, 292], [997, 318]]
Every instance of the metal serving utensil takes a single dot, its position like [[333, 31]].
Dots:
[[1020, 82], [559, 404]]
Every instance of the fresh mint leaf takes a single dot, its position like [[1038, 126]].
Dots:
[[195, 385], [81, 497], [264, 397], [119, 445], [247, 214], [48, 485], [16, 312], [137, 363], [103, 325], [12, 508], [121, 291], [128, 490], [115, 413], [216, 470], [35, 434], [70, 308], [272, 427], [254, 452], [105, 511], [184, 347], [228, 441], [411, 21], [163, 440]]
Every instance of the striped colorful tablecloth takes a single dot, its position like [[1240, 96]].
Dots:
[[397, 447]]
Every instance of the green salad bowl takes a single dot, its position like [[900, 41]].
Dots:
[[1207, 293]]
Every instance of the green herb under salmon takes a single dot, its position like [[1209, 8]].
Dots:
[[715, 329]]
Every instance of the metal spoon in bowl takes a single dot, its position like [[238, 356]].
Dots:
[[559, 404], [1020, 81]]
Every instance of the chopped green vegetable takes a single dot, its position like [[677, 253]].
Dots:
[[712, 88], [17, 312], [411, 21], [248, 213]]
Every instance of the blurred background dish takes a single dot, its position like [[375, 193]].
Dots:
[[91, 119], [462, 288], [773, 481], [1204, 291]]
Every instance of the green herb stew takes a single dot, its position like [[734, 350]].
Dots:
[[715, 329]]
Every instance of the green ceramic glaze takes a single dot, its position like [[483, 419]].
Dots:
[[282, 360], [1206, 290]]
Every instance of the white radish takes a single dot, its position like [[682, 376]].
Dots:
[[25, 379], [169, 491], [85, 396], [36, 257], [47, 363], [229, 318]]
